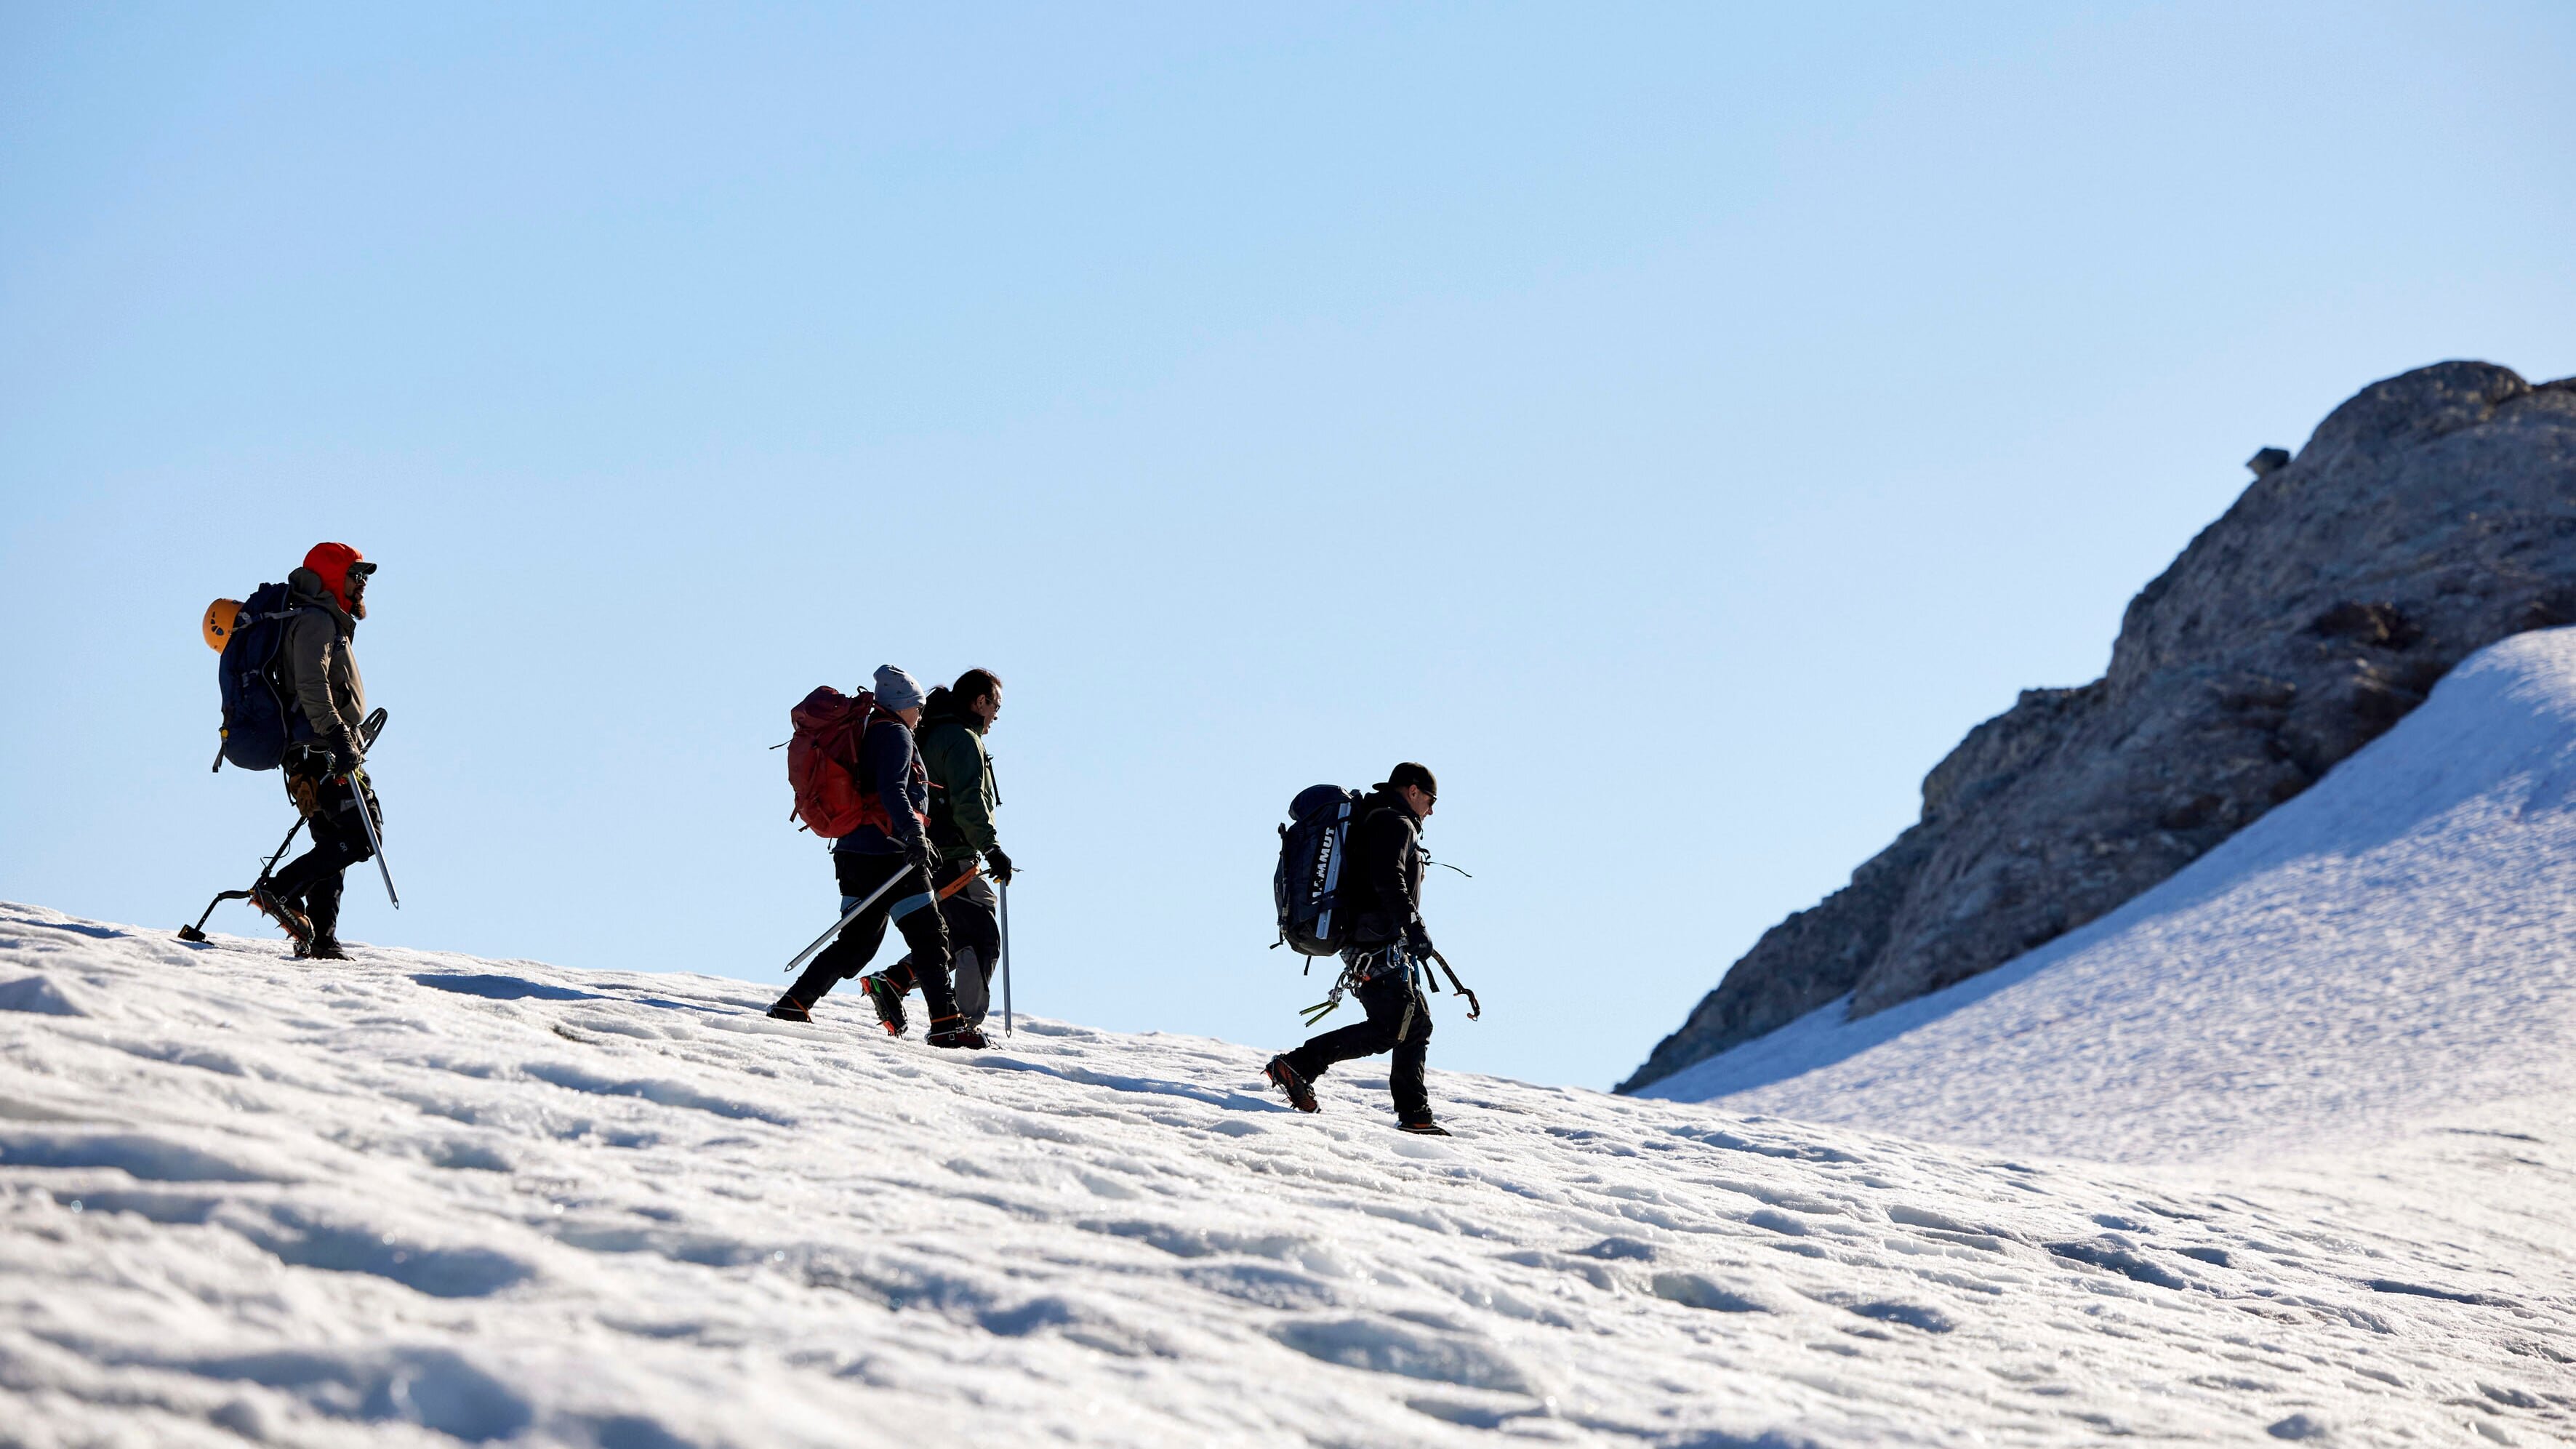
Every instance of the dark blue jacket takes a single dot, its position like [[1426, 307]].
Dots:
[[890, 767]]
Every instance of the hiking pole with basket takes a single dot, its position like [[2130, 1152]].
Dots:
[[372, 726], [196, 934], [1006, 957]]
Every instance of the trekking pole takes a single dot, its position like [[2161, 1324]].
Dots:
[[367, 818], [279, 854], [1474, 1007], [197, 932], [1006, 957], [848, 916]]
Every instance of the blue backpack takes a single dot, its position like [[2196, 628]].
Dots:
[[1308, 884], [259, 720]]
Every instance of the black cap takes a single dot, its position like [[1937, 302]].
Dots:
[[1408, 773]]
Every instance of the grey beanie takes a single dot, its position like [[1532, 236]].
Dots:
[[897, 690]]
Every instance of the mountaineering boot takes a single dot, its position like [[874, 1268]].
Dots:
[[321, 907], [806, 992], [887, 998], [953, 1031], [1423, 1127], [1301, 1093], [278, 908], [320, 903]]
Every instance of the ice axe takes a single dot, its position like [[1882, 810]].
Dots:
[[852, 914], [1474, 1008], [1332, 1003], [368, 729], [358, 793], [372, 726]]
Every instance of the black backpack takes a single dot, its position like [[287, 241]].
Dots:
[[1308, 884], [259, 720]]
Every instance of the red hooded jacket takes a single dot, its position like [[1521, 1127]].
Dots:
[[331, 561]]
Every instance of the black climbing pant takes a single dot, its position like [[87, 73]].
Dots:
[[973, 919], [1389, 999], [908, 905], [312, 880]]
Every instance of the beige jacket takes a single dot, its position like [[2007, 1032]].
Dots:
[[321, 673]]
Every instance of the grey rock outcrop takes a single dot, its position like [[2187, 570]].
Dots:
[[2429, 516]]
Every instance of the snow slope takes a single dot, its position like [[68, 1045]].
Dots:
[[2386, 948], [2397, 943], [417, 1199]]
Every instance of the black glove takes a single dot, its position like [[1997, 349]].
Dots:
[[920, 853], [997, 864], [1417, 942], [346, 757]]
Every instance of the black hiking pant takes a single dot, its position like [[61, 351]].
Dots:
[[311, 881], [1388, 999], [974, 922], [908, 906]]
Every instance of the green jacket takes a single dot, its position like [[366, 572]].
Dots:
[[962, 797]]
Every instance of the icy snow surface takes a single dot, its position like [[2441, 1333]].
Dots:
[[416, 1199], [2395, 944]]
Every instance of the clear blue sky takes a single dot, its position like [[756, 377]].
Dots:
[[1677, 425]]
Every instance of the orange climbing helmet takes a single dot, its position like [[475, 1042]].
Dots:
[[221, 615]]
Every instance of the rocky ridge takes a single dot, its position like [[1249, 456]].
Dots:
[[2427, 517]]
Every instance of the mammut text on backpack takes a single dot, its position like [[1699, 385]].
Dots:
[[1308, 883]]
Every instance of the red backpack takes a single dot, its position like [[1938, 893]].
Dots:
[[822, 760]]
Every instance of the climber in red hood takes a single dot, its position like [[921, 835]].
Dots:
[[343, 570], [323, 764]]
